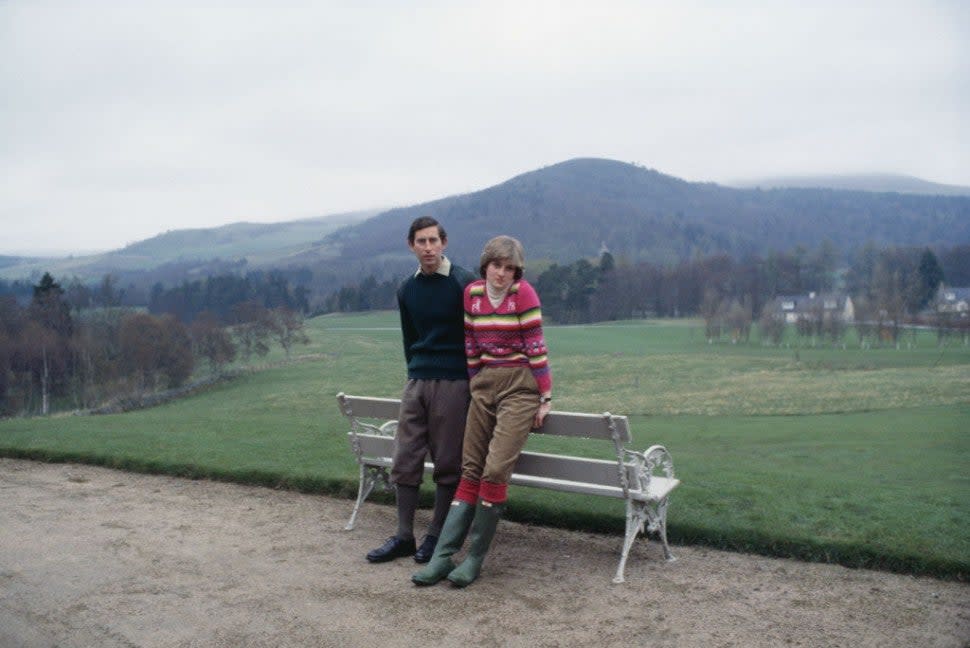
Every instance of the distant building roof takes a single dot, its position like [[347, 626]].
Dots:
[[811, 301], [955, 294]]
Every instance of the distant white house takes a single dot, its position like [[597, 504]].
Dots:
[[814, 305], [953, 301]]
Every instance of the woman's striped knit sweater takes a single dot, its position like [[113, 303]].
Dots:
[[509, 335]]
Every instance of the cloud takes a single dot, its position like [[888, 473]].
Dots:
[[121, 121]]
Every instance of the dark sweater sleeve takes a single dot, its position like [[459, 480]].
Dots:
[[409, 334]]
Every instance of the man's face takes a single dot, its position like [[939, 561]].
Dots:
[[428, 247]]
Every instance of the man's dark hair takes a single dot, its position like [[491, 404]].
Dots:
[[425, 221]]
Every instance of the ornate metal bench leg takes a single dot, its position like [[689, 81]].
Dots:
[[662, 530], [634, 524], [367, 481]]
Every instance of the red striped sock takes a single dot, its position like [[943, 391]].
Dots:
[[494, 493], [467, 491]]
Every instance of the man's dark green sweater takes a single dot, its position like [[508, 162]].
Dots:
[[433, 323]]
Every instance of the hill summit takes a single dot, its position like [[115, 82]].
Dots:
[[574, 209], [579, 207]]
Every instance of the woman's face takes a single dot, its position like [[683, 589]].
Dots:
[[500, 274]]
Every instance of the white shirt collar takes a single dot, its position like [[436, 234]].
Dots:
[[444, 268]]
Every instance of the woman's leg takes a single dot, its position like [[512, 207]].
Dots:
[[515, 412], [514, 415], [478, 425]]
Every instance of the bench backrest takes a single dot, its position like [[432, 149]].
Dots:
[[569, 424], [373, 422]]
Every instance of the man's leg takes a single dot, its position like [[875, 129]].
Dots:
[[448, 408], [407, 504], [442, 501], [410, 448]]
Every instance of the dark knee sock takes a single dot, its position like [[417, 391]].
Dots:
[[442, 501], [407, 504]]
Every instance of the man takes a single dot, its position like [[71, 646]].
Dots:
[[435, 399]]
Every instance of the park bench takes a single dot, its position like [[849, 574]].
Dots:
[[643, 479]]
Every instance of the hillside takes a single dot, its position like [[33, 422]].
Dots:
[[879, 183], [258, 244], [575, 208], [562, 212]]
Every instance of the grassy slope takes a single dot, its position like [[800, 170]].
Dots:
[[259, 243], [832, 457]]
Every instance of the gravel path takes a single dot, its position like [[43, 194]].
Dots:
[[96, 557]]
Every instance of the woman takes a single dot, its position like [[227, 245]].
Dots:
[[511, 392]]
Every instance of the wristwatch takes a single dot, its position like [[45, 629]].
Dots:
[[545, 399]]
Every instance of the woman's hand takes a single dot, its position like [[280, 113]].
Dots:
[[541, 414]]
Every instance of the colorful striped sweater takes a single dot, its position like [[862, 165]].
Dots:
[[507, 336]]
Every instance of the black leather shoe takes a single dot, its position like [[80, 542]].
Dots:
[[426, 550], [393, 548]]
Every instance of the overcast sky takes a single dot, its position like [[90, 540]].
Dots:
[[121, 120]]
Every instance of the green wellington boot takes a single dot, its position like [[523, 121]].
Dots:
[[483, 530], [453, 533]]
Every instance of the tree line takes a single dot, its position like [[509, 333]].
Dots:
[[74, 346], [220, 294], [583, 293], [893, 285], [889, 288], [61, 352]]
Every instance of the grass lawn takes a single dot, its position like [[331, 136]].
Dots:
[[860, 457]]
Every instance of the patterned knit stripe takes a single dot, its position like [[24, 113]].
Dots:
[[537, 362], [495, 340], [531, 317], [505, 360], [493, 321], [477, 288]]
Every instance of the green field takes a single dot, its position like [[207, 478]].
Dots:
[[860, 457]]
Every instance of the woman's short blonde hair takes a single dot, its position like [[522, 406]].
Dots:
[[503, 248]]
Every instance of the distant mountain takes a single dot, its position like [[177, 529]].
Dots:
[[256, 244], [877, 182], [576, 208], [561, 213]]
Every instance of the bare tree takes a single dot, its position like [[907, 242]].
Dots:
[[738, 318], [252, 327], [288, 328], [157, 351], [711, 311], [771, 325], [177, 362], [212, 341]]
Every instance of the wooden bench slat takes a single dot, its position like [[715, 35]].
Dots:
[[370, 407], [587, 426], [373, 445], [558, 467], [569, 468], [567, 486], [569, 424]]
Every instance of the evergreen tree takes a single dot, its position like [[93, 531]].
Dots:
[[929, 278]]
